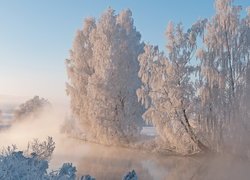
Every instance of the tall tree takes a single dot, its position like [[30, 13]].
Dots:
[[102, 70], [168, 91], [224, 63]]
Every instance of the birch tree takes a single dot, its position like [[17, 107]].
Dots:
[[224, 62], [102, 71], [208, 111], [168, 92]]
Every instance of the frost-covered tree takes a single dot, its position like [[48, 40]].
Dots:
[[209, 110], [102, 71], [168, 92], [31, 108], [224, 66]]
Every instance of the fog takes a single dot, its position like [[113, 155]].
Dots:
[[103, 162]]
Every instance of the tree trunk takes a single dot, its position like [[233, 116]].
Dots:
[[192, 135]]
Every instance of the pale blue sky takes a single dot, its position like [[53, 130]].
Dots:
[[36, 35]]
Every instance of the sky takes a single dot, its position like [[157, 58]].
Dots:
[[36, 35]]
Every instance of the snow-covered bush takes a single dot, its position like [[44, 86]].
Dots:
[[66, 172], [130, 176], [31, 108], [102, 71], [43, 149], [19, 165], [87, 177]]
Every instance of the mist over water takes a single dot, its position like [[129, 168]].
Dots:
[[103, 162]]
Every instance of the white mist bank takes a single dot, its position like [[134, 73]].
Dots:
[[23, 131], [103, 162]]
